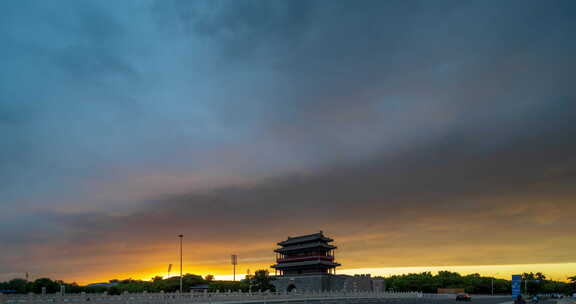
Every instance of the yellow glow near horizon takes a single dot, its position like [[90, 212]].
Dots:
[[229, 277], [558, 271]]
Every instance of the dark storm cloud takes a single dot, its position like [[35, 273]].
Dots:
[[53, 62], [353, 72], [425, 120], [436, 196], [428, 178]]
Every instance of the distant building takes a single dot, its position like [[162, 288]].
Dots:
[[306, 263]]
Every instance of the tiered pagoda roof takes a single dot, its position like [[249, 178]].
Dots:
[[306, 254], [306, 238], [297, 247]]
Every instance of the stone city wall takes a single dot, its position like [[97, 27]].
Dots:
[[356, 283]]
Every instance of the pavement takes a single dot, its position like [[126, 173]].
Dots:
[[566, 300], [483, 300]]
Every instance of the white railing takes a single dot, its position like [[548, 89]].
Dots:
[[218, 297]]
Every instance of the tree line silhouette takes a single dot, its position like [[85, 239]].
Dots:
[[260, 280], [537, 283]]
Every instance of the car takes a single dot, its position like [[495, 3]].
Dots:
[[463, 297]]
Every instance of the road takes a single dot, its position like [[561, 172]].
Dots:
[[496, 300], [475, 300], [171, 299]]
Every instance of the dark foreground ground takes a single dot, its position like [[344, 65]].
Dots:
[[475, 300]]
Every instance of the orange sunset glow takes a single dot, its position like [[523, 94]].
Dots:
[[554, 271]]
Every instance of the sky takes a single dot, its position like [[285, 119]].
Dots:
[[420, 135]]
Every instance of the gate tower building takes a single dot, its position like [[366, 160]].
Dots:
[[306, 263], [310, 254]]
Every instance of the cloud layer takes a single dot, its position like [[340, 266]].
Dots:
[[392, 126]]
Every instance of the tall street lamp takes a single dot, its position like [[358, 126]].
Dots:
[[493, 283], [234, 263], [181, 236]]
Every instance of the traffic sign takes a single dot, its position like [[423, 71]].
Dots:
[[516, 285]]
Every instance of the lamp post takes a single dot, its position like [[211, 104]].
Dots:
[[234, 263], [249, 281], [493, 283], [181, 236]]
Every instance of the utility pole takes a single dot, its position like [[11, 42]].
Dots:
[[234, 263], [181, 236], [493, 283], [249, 281]]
